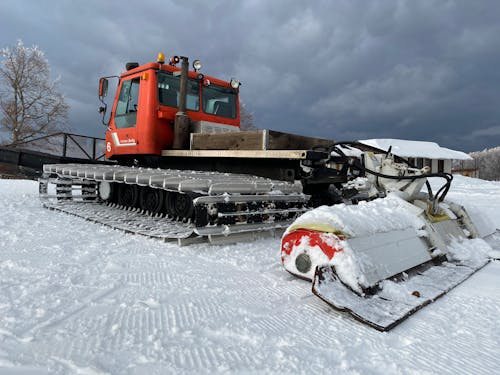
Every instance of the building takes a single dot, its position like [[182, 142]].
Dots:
[[420, 153]]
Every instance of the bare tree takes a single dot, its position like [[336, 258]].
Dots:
[[246, 119], [30, 103]]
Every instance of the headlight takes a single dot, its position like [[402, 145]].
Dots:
[[174, 60], [197, 65], [235, 83]]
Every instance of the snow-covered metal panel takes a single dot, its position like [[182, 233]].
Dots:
[[382, 255]]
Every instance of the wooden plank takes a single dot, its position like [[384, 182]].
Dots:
[[284, 141], [245, 140], [255, 140]]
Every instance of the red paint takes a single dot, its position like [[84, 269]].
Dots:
[[153, 130], [316, 238]]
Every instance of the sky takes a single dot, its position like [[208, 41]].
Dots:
[[343, 70]]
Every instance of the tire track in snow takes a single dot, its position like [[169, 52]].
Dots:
[[166, 326], [155, 278], [127, 326], [55, 320], [77, 348], [214, 358], [428, 327]]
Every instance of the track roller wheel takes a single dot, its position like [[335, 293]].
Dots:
[[179, 205], [151, 200], [107, 191], [128, 195]]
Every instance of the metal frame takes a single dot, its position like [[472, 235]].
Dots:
[[67, 136], [267, 154]]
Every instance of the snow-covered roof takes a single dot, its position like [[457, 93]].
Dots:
[[416, 149], [350, 151]]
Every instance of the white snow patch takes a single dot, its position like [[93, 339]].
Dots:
[[391, 213], [395, 291], [474, 250], [151, 303], [75, 369], [348, 269], [416, 149], [70, 291]]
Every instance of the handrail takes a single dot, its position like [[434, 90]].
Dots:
[[73, 137], [53, 135]]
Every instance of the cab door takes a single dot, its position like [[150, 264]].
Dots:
[[123, 130]]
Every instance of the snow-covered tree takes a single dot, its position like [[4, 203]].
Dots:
[[488, 163], [30, 103], [246, 119]]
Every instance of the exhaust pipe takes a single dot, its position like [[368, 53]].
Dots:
[[181, 122]]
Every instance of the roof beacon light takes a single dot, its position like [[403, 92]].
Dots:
[[235, 83], [161, 58], [197, 65]]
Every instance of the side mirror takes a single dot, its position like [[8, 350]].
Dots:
[[103, 87]]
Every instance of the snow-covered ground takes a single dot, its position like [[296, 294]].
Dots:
[[79, 298]]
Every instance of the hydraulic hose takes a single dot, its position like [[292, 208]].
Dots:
[[356, 164]]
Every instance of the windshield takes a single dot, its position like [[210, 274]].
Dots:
[[219, 101], [168, 92]]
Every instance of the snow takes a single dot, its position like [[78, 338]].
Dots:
[[80, 298], [348, 269], [474, 250], [416, 149], [391, 213]]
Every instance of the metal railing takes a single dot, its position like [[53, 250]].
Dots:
[[66, 145]]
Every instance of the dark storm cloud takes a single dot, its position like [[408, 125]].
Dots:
[[340, 69]]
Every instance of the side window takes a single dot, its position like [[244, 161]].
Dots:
[[219, 101], [168, 92], [126, 109]]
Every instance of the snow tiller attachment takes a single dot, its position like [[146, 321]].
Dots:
[[384, 259]]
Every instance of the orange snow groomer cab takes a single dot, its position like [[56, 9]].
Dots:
[[147, 101]]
